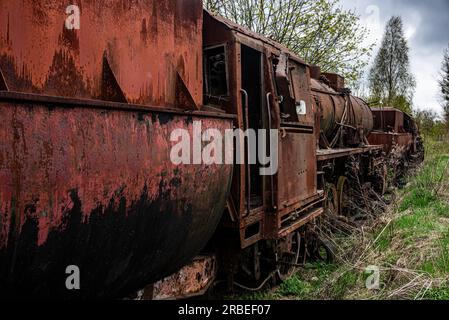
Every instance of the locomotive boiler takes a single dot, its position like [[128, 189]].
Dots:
[[346, 120]]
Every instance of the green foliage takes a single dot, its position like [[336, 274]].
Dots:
[[416, 224], [256, 296], [430, 125], [384, 238], [439, 264], [295, 287], [435, 148], [424, 190], [442, 209], [402, 103], [390, 79], [441, 293], [418, 198], [344, 283], [412, 250], [306, 284], [320, 31]]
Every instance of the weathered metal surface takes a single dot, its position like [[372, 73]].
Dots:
[[192, 280], [336, 81], [387, 119], [124, 50], [297, 172], [98, 104], [95, 187], [390, 140], [90, 183], [358, 120], [329, 154], [393, 128], [217, 34]]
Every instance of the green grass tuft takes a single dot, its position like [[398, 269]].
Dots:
[[415, 242]]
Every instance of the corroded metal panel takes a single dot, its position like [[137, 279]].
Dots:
[[391, 140], [297, 171], [95, 188], [337, 107], [192, 280], [123, 49]]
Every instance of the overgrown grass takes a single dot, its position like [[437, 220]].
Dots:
[[409, 243]]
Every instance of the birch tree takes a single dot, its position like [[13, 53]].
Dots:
[[444, 86], [390, 80]]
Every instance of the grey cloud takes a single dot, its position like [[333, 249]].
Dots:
[[431, 22]]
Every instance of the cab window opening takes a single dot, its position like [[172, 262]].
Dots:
[[215, 72]]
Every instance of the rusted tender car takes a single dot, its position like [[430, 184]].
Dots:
[[85, 171], [395, 129], [399, 135]]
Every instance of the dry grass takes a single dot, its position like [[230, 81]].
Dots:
[[408, 240]]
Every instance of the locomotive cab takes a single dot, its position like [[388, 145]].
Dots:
[[268, 89]]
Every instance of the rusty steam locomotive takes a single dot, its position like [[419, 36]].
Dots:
[[85, 171]]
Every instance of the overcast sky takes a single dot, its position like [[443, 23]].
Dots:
[[427, 30]]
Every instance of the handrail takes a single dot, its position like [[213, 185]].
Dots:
[[269, 94], [248, 165]]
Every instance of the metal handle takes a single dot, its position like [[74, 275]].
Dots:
[[248, 166], [269, 94]]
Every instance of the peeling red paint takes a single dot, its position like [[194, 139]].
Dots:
[[49, 151], [85, 169], [47, 58]]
